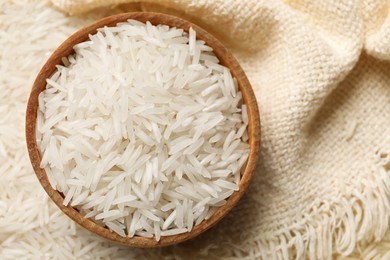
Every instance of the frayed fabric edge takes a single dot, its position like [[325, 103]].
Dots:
[[358, 217]]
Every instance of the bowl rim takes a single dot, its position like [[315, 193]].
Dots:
[[225, 57]]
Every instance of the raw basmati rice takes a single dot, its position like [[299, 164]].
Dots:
[[142, 130]]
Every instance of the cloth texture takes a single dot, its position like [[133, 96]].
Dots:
[[321, 74]]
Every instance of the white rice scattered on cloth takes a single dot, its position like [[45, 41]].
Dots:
[[143, 130]]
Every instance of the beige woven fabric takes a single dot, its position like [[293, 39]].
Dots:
[[321, 74]]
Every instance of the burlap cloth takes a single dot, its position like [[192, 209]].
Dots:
[[321, 74]]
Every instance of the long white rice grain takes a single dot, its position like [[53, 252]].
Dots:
[[116, 228], [174, 231], [144, 234], [124, 199], [179, 216], [168, 206], [69, 195], [79, 199], [169, 220], [157, 231], [107, 214], [149, 215], [202, 216], [93, 203], [245, 114], [226, 184]]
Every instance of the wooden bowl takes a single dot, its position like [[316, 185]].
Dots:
[[225, 57]]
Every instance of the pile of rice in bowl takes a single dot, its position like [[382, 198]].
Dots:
[[142, 130]]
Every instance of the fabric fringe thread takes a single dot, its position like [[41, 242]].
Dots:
[[358, 218], [362, 216]]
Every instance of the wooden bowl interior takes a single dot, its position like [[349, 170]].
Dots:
[[225, 58]]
